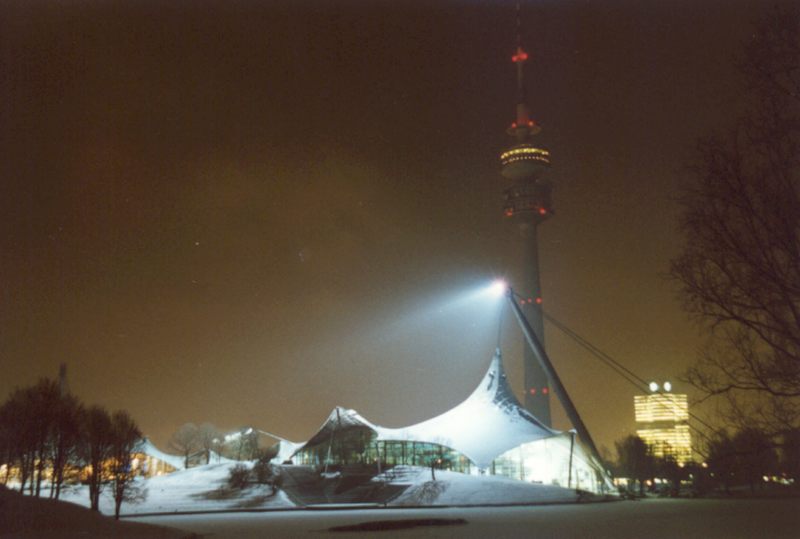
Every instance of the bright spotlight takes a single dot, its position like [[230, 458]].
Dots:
[[498, 288]]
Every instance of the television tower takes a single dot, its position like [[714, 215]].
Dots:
[[528, 204]]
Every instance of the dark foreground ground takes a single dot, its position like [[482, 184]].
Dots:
[[24, 517], [647, 519]]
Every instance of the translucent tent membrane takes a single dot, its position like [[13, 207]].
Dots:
[[488, 433], [559, 460]]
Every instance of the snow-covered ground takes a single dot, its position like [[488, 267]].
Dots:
[[436, 513], [451, 488], [203, 489], [196, 489], [649, 519]]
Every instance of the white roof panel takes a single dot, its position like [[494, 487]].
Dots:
[[484, 426]]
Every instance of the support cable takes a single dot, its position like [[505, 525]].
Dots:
[[640, 383], [500, 328], [631, 377]]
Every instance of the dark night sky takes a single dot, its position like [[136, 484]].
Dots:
[[249, 212]]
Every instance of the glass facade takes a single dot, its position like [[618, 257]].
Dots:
[[342, 448], [661, 407], [675, 441], [663, 424], [406, 453], [552, 461], [358, 445]]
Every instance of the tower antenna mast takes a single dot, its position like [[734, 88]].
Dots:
[[528, 204]]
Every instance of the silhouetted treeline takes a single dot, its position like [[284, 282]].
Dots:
[[50, 438], [636, 461], [733, 460], [749, 455]]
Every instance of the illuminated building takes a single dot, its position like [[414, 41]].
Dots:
[[148, 460], [528, 203], [488, 433], [662, 422]]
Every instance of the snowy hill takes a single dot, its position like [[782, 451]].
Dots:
[[203, 488], [195, 489], [452, 488]]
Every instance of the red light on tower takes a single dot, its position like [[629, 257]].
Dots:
[[521, 56], [524, 163]]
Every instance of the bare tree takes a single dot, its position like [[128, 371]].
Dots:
[[7, 455], [667, 467], [755, 457], [39, 431], [43, 430], [65, 441], [635, 460], [247, 447], [739, 271], [29, 422], [241, 445], [743, 458], [97, 446], [790, 456], [125, 437], [722, 459], [18, 432], [206, 436], [43, 400], [186, 441]]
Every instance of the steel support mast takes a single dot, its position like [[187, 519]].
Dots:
[[559, 389]]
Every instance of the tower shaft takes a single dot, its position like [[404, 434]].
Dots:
[[537, 387], [528, 203]]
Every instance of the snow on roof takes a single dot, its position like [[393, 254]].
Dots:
[[340, 418], [286, 449], [146, 446], [484, 426]]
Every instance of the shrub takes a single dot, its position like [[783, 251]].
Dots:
[[263, 472], [239, 477]]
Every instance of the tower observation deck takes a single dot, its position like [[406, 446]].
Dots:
[[528, 203]]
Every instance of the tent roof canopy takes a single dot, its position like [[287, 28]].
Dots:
[[484, 426]]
